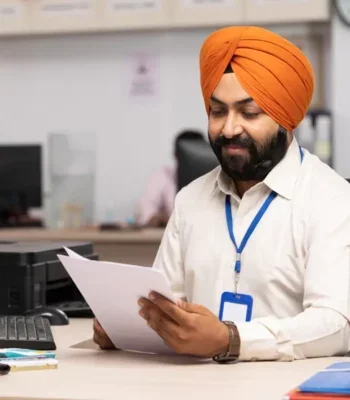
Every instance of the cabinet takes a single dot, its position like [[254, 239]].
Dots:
[[190, 13], [59, 16], [14, 16], [135, 14], [279, 11], [54, 16]]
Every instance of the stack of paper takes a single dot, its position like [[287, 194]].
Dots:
[[112, 291]]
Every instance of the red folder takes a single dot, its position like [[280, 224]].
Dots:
[[296, 395]]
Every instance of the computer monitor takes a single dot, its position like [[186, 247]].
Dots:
[[194, 159], [20, 179]]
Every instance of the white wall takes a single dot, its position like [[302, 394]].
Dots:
[[78, 84], [340, 67]]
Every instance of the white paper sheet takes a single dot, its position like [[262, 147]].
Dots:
[[73, 254], [112, 291]]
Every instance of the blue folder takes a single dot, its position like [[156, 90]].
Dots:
[[335, 379]]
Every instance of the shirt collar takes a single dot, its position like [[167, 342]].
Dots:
[[226, 185], [281, 179]]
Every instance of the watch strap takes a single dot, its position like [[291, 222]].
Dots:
[[234, 346]]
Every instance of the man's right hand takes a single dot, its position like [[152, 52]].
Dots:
[[100, 337]]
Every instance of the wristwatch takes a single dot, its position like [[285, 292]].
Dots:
[[234, 346]]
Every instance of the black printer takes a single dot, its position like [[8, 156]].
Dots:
[[32, 276]]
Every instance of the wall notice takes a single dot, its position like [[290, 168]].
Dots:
[[208, 3], [135, 5], [144, 78], [65, 7]]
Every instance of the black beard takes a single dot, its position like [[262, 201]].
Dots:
[[258, 162]]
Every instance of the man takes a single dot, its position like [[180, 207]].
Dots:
[[157, 202], [264, 240]]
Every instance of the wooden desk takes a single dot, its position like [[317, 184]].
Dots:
[[94, 374], [137, 247]]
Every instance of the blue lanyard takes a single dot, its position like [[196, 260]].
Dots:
[[252, 227]]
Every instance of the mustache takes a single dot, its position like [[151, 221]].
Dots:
[[239, 141]]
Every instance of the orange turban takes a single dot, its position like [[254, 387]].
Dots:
[[274, 72]]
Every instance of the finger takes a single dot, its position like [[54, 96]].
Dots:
[[162, 324], [100, 337], [96, 324], [172, 310], [169, 328], [172, 334], [159, 321], [99, 340], [148, 308], [152, 313], [180, 303], [192, 308], [156, 322], [146, 304], [98, 328], [105, 345], [102, 340]]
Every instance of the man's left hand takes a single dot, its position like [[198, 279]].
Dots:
[[186, 328]]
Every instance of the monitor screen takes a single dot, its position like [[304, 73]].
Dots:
[[20, 175], [194, 159]]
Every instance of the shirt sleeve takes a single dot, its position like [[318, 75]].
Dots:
[[169, 257], [151, 201], [322, 329]]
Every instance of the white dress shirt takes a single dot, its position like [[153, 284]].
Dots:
[[296, 265]]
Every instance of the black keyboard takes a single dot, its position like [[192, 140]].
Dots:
[[32, 333]]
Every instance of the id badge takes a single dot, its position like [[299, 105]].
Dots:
[[236, 307]]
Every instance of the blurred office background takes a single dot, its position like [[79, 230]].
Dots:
[[103, 87]]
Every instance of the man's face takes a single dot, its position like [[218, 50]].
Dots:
[[246, 141]]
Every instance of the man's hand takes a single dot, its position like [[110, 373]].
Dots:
[[187, 328], [100, 337]]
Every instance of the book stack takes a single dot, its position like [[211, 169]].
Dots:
[[27, 360], [333, 383]]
